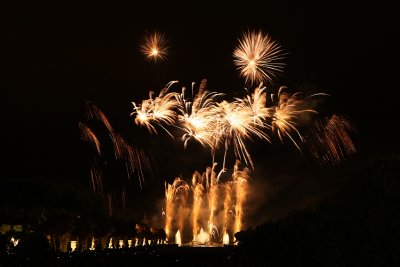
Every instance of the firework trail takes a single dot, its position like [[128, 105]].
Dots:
[[155, 46], [136, 161], [330, 140], [258, 57], [96, 177], [89, 136]]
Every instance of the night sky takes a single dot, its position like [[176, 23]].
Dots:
[[56, 57]]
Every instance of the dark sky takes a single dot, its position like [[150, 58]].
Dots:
[[56, 57]]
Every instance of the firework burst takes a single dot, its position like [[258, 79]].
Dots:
[[195, 115], [258, 57], [287, 114], [159, 110], [155, 46]]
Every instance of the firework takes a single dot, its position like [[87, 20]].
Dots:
[[228, 124], [287, 113], [329, 139], [258, 57], [89, 136], [195, 115], [233, 123], [96, 177], [155, 46], [159, 110], [136, 160]]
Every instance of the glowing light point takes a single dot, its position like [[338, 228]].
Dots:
[[73, 245], [225, 239], [178, 238]]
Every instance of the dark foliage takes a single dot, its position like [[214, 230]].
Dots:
[[358, 227]]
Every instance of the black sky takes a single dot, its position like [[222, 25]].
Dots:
[[55, 57]]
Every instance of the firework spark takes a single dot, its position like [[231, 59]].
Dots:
[[258, 57], [155, 46]]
